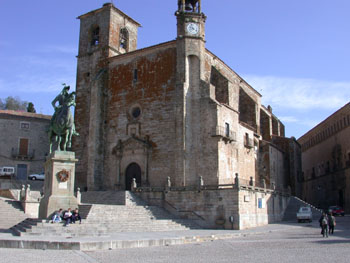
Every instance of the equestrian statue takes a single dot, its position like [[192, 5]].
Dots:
[[62, 126]]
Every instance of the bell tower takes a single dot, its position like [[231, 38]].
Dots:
[[190, 20], [105, 32], [190, 33], [190, 45], [107, 28]]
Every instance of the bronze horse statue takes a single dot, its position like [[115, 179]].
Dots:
[[62, 124]]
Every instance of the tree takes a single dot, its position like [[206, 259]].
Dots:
[[13, 103], [2, 105], [31, 108]]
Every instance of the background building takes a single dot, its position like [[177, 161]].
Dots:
[[326, 161], [24, 141]]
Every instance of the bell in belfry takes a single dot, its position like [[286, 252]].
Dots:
[[190, 5]]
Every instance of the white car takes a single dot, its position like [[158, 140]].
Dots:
[[304, 214], [34, 177], [7, 171]]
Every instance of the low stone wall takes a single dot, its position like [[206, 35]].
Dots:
[[259, 207], [225, 208]]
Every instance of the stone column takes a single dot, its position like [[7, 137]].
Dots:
[[59, 183]]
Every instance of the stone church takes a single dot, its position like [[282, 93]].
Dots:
[[174, 116]]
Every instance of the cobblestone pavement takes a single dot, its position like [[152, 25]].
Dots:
[[292, 243]]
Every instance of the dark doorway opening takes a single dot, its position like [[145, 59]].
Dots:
[[21, 172], [132, 171]]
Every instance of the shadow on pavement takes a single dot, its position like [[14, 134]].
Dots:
[[332, 241], [8, 231]]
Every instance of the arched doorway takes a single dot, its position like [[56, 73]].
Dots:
[[132, 171]]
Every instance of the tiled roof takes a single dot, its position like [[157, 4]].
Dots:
[[25, 114]]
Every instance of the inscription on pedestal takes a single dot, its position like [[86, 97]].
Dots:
[[63, 185]]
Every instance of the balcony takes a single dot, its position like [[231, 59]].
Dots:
[[20, 155], [249, 143], [225, 134]]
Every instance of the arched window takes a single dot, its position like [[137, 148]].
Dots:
[[124, 39], [95, 36]]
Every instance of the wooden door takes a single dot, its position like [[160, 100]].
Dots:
[[23, 147]]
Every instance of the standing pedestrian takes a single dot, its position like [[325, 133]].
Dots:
[[324, 224], [332, 223]]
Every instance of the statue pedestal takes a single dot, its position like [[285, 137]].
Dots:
[[59, 183]]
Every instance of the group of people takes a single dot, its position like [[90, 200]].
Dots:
[[68, 216], [327, 224]]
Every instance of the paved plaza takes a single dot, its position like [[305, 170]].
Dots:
[[273, 243]]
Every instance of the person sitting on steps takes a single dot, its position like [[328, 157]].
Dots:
[[57, 217], [67, 217], [76, 216]]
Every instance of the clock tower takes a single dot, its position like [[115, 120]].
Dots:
[[190, 33], [190, 20], [190, 46]]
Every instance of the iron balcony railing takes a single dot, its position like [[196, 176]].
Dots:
[[249, 143], [16, 154], [224, 133]]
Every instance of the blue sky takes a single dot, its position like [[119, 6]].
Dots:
[[295, 53]]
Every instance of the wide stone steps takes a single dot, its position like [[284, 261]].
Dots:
[[48, 229], [104, 197], [101, 219], [11, 213]]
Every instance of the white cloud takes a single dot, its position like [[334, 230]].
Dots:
[[300, 94], [60, 49], [288, 119]]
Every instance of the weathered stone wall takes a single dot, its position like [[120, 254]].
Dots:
[[265, 124], [258, 207], [292, 160], [277, 168], [35, 131], [213, 208], [153, 92], [247, 153], [234, 155]]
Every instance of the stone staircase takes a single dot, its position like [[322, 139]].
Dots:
[[293, 207], [11, 213], [108, 218], [104, 197]]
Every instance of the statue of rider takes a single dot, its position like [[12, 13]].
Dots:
[[61, 99]]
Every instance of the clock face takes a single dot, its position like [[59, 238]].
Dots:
[[192, 28]]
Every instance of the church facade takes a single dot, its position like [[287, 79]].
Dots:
[[172, 115]]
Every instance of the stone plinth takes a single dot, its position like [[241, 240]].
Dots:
[[59, 183]]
